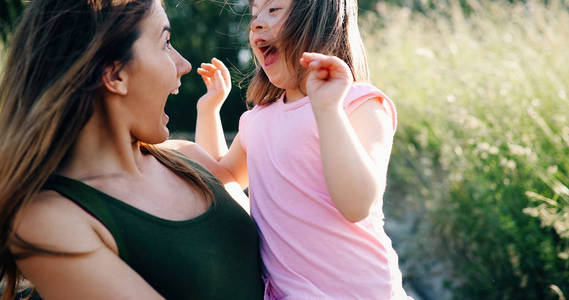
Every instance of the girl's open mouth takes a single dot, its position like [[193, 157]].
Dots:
[[270, 54]]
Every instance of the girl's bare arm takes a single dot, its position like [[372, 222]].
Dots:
[[355, 150]]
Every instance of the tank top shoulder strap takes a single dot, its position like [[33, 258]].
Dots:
[[84, 195], [89, 199]]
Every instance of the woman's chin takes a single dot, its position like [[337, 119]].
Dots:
[[164, 136], [159, 136]]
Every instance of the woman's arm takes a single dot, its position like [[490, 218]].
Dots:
[[355, 150], [55, 223]]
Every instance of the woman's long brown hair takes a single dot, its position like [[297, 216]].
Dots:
[[325, 26], [50, 83]]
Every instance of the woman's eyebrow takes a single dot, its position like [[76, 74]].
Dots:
[[165, 29]]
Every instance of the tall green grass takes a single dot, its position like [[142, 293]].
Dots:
[[2, 57], [481, 156]]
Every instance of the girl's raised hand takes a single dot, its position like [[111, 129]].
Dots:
[[328, 81], [218, 82]]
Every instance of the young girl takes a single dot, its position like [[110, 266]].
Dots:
[[314, 152]]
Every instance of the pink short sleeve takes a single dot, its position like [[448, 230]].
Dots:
[[359, 93], [243, 121]]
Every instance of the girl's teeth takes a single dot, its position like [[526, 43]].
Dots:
[[175, 92]]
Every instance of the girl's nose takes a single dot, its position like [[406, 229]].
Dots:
[[258, 25]]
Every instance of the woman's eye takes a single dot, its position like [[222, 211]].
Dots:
[[167, 45], [272, 10]]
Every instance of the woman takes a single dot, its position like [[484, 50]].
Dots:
[[89, 209]]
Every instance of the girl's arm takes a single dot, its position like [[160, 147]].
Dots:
[[230, 164], [209, 130], [56, 223], [355, 150], [233, 177]]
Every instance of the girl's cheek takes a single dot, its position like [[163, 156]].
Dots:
[[251, 38]]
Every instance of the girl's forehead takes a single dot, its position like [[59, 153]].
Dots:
[[260, 3], [256, 3]]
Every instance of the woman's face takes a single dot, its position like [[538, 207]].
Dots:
[[153, 74]]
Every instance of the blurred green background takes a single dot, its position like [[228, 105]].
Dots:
[[478, 199]]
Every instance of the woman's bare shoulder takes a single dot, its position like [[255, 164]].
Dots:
[[56, 223]]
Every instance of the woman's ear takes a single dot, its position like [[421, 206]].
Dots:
[[115, 79]]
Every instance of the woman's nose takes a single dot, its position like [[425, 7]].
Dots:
[[182, 65]]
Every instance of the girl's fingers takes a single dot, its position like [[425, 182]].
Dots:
[[224, 71], [209, 73], [313, 56], [322, 69], [205, 72], [318, 60], [322, 74], [206, 80], [208, 67], [325, 65], [316, 64], [219, 82], [303, 62]]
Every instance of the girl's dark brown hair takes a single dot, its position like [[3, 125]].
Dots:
[[51, 81], [325, 26]]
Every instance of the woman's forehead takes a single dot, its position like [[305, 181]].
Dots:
[[155, 20]]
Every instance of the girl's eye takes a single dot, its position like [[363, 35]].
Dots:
[[272, 10], [167, 45]]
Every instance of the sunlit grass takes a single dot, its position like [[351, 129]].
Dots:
[[2, 58], [482, 148]]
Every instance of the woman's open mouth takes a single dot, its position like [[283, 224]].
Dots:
[[165, 118]]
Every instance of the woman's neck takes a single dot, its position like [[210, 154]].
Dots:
[[103, 148]]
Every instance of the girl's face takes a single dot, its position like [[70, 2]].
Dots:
[[153, 74], [268, 17]]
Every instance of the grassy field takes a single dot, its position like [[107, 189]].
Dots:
[[481, 157]]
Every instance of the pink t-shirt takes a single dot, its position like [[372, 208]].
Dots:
[[309, 250]]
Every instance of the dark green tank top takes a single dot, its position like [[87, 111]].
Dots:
[[213, 256]]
